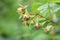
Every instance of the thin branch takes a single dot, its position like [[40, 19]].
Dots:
[[47, 19]]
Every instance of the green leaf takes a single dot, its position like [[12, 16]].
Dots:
[[34, 7], [55, 1], [46, 10]]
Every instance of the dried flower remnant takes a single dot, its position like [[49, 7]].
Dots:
[[26, 17], [37, 26]]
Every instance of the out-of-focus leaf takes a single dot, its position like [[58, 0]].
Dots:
[[55, 19], [10, 28], [39, 1], [55, 1], [34, 7], [57, 37], [40, 37]]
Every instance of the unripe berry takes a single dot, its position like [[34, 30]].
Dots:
[[37, 26], [26, 17]]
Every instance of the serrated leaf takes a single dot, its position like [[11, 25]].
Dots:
[[48, 8]]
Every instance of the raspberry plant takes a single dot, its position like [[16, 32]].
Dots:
[[36, 21]]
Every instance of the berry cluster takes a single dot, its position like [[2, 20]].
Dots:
[[33, 18]]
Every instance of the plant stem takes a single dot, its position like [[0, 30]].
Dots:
[[47, 19]]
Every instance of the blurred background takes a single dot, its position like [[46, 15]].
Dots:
[[11, 27]]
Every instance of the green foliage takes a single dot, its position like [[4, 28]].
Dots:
[[11, 25]]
